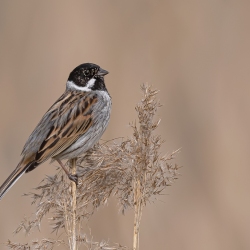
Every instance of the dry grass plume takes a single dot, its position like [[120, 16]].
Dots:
[[133, 170]]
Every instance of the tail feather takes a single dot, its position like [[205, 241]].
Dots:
[[11, 180]]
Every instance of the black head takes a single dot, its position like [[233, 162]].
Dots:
[[88, 75]]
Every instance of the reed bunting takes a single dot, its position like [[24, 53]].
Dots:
[[73, 124]]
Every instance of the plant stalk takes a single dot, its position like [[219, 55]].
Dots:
[[73, 188], [138, 213]]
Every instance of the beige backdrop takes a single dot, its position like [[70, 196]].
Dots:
[[195, 51]]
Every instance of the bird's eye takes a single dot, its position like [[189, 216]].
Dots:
[[86, 72]]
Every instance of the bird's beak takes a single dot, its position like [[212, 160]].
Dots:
[[102, 72]]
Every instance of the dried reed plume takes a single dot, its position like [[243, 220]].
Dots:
[[132, 170]]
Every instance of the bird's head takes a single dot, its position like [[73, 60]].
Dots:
[[87, 77]]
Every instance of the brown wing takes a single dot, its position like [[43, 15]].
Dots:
[[73, 117]]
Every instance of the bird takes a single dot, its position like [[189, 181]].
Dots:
[[71, 126]]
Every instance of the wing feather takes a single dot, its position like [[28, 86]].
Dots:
[[73, 119]]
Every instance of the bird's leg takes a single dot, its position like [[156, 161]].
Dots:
[[72, 177]]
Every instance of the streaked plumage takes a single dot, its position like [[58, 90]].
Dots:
[[73, 124]]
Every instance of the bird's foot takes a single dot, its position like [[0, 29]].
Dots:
[[74, 178]]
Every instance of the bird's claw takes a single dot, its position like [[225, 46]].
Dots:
[[74, 178]]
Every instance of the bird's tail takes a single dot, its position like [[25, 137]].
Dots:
[[14, 176]]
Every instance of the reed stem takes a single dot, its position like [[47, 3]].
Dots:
[[73, 188]]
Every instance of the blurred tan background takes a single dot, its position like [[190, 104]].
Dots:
[[196, 52]]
